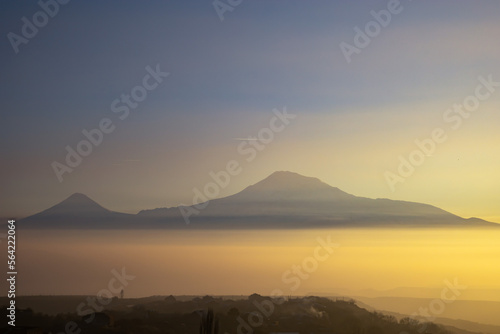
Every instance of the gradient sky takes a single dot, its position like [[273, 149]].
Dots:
[[353, 119]]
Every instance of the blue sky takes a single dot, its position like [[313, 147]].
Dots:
[[354, 119]]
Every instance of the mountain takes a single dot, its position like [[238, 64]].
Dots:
[[76, 211], [75, 204], [290, 200], [282, 200], [288, 186]]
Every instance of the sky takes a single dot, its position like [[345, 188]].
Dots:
[[223, 76]]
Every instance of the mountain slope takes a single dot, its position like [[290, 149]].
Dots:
[[77, 211], [286, 199]]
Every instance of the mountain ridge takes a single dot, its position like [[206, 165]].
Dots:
[[282, 200]]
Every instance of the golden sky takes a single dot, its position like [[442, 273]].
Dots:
[[354, 119]]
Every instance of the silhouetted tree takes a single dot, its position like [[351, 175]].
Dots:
[[170, 299], [255, 296], [409, 322], [209, 323]]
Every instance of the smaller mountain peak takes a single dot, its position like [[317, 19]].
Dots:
[[78, 196], [78, 202]]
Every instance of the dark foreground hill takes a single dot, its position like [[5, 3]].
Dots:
[[282, 200], [253, 314]]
